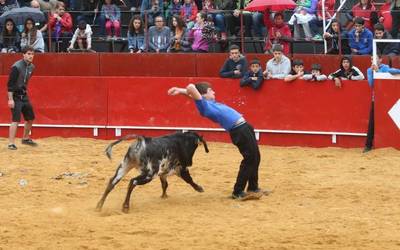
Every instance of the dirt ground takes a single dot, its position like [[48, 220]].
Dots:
[[327, 198]]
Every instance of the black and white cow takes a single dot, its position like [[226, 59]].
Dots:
[[162, 156]]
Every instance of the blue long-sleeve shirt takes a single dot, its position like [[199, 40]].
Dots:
[[383, 68], [364, 43]]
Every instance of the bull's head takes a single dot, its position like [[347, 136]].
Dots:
[[189, 146]]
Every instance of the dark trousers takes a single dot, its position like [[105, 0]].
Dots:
[[371, 128], [395, 22], [245, 140]]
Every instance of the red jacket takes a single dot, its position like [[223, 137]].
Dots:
[[66, 23], [285, 32], [192, 15], [387, 17], [358, 11]]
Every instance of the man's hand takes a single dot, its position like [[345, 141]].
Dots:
[[374, 67], [338, 83], [174, 91], [236, 72], [254, 78], [265, 74], [11, 104], [236, 13]]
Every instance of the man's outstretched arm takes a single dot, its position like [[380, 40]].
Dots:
[[190, 91]]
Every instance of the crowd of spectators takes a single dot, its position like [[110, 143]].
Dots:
[[196, 25]]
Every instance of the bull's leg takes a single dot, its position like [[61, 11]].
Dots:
[[185, 175], [122, 170], [164, 185], [138, 180]]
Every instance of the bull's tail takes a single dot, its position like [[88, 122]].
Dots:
[[109, 147], [204, 143]]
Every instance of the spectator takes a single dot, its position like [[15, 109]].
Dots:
[[235, 66], [317, 23], [60, 25], [216, 16], [9, 38], [254, 76], [179, 35], [302, 16], [360, 38], [6, 5], [173, 9], [153, 9], [278, 33], [385, 17], [378, 68], [346, 72], [89, 11], [189, 13], [83, 36], [160, 36], [279, 66], [136, 35], [395, 11], [226, 8], [367, 11], [297, 71], [112, 15], [31, 36], [50, 5], [316, 74], [197, 34], [247, 20], [390, 49], [43, 25], [332, 35]]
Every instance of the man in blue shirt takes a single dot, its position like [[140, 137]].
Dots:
[[241, 133], [360, 38], [379, 68]]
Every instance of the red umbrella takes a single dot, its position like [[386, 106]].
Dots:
[[273, 5]]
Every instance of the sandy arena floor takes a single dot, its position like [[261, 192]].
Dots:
[[326, 198]]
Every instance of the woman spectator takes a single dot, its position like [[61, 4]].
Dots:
[[333, 34], [188, 13], [197, 35], [83, 36], [136, 35], [367, 11], [112, 15], [278, 33], [179, 36], [31, 36], [60, 25], [9, 38]]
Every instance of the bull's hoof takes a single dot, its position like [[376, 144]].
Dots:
[[125, 210], [199, 189], [164, 196], [99, 207]]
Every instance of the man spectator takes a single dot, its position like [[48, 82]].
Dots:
[[159, 36], [360, 38], [278, 33], [153, 9], [395, 11], [390, 49], [235, 66], [279, 66]]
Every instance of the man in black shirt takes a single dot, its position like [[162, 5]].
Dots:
[[18, 100]]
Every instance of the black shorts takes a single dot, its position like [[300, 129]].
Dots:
[[22, 105]]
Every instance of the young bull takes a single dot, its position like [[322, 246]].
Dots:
[[162, 156]]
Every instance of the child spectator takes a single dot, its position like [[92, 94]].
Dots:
[[136, 35], [379, 67], [235, 66], [390, 49], [316, 74], [333, 34], [31, 36], [159, 36], [346, 72], [278, 33], [10, 39], [179, 35], [189, 13], [153, 9], [83, 36], [254, 76], [360, 38], [60, 24], [297, 71], [279, 66], [112, 15]]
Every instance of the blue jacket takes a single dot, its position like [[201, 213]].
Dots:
[[364, 45], [383, 68], [246, 80], [136, 41]]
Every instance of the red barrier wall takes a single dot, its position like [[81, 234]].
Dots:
[[387, 93], [142, 101]]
